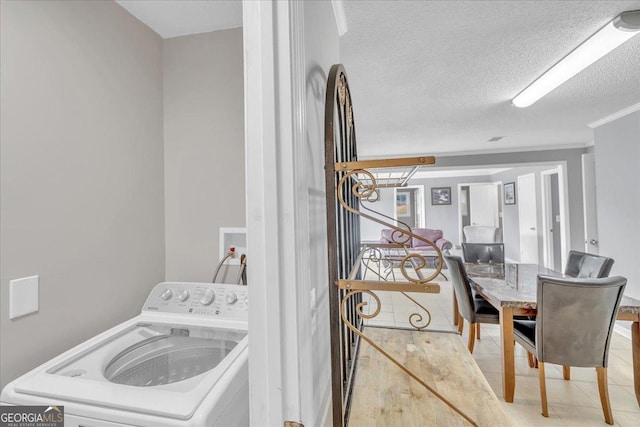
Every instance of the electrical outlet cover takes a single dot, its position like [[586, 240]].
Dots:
[[23, 296]]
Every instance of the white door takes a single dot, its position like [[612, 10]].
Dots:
[[527, 212], [483, 204], [589, 196], [551, 221], [420, 220]]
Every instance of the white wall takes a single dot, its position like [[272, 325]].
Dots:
[[81, 172], [617, 153], [204, 149], [573, 160], [511, 215], [442, 217], [289, 48], [370, 230], [446, 217], [321, 52]]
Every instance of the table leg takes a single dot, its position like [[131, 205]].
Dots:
[[508, 361], [456, 314], [635, 346]]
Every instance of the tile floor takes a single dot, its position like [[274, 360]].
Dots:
[[571, 403]]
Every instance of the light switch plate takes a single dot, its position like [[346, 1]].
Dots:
[[23, 296]]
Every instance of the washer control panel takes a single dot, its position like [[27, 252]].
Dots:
[[199, 299]]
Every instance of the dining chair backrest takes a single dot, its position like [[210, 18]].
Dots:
[[461, 286], [481, 234], [575, 319], [485, 253], [584, 265]]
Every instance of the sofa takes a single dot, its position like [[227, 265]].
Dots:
[[430, 234]]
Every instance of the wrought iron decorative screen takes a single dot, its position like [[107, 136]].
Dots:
[[343, 233], [351, 186]]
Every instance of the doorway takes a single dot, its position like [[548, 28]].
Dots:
[[409, 206], [479, 204], [527, 213], [552, 220], [589, 193]]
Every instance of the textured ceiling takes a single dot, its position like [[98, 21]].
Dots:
[[438, 76], [173, 18]]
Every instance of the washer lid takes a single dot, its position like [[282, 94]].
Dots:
[[133, 369]]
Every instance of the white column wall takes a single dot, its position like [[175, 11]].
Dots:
[[617, 152], [289, 47]]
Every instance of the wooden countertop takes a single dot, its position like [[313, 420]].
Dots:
[[384, 395]]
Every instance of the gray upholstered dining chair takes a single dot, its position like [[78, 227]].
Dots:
[[573, 327], [582, 264], [484, 253], [487, 253], [585, 265], [481, 234], [472, 309]]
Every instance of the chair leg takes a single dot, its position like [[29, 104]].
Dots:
[[472, 336], [478, 330], [460, 324], [566, 372], [603, 388], [543, 389], [530, 360], [456, 313]]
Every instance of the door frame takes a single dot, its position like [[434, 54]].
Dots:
[[563, 188], [281, 374], [589, 204], [420, 207], [538, 211], [547, 217], [563, 196], [498, 185]]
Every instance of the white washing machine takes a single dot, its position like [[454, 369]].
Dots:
[[181, 362]]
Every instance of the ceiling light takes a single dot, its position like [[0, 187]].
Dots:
[[622, 28]]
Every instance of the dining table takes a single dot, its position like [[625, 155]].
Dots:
[[511, 288]]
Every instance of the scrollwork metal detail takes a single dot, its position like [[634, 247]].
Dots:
[[415, 319], [421, 263], [375, 196], [361, 305], [358, 189], [342, 90], [357, 331], [399, 235]]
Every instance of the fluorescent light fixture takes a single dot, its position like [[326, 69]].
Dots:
[[622, 28]]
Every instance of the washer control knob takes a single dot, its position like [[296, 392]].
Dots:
[[208, 297], [231, 298], [166, 294], [183, 295]]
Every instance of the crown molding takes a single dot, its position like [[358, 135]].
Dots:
[[615, 116]]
